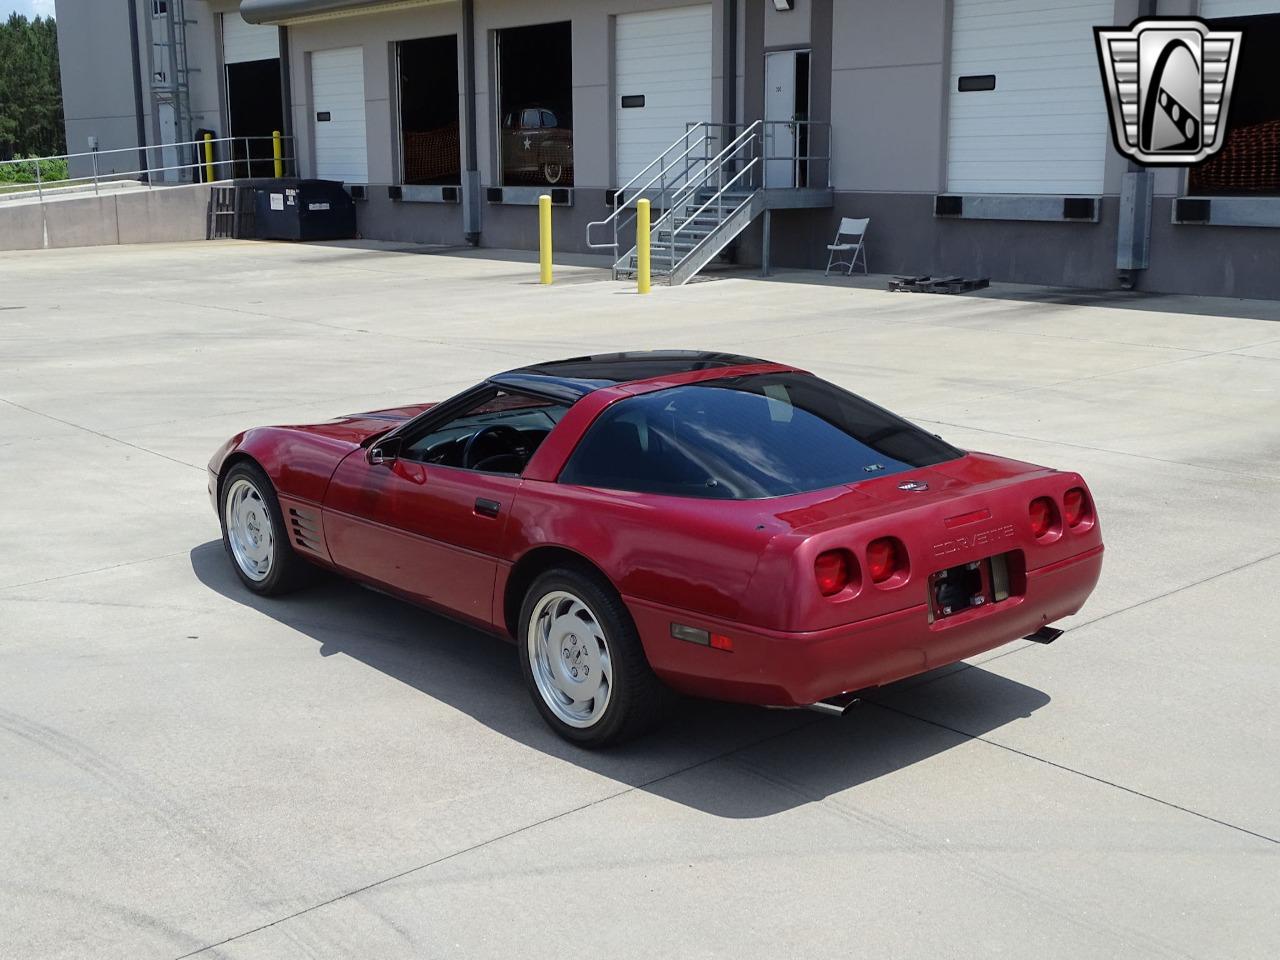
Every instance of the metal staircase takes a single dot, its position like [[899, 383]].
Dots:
[[704, 190]]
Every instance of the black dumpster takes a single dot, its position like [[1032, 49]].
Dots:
[[293, 209]]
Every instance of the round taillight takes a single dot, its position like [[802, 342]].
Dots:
[[1042, 513], [1075, 506], [884, 558], [833, 571]]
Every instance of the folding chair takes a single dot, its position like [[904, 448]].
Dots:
[[849, 237]]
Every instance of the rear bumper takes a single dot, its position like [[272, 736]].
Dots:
[[794, 669]]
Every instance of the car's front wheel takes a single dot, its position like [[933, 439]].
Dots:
[[583, 662], [253, 532]]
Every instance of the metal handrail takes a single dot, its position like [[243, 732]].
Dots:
[[709, 166], [797, 158], [714, 165], [200, 165], [660, 178], [719, 194]]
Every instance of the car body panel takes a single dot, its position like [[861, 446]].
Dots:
[[794, 669], [453, 539], [415, 529]]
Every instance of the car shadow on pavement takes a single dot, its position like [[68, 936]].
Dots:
[[728, 760]]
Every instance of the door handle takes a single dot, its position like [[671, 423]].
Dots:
[[487, 508]]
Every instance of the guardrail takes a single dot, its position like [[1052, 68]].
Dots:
[[211, 160]]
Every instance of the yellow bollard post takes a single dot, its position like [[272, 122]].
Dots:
[[642, 246], [208, 158], [276, 153], [544, 237]]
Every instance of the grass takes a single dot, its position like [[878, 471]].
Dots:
[[23, 171]]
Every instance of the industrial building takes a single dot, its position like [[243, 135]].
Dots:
[[973, 133]]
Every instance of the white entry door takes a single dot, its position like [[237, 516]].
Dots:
[[780, 114], [662, 77], [337, 103]]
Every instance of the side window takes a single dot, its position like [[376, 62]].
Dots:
[[548, 118], [498, 434], [529, 119]]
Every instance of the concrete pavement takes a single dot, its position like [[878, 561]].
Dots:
[[189, 770]]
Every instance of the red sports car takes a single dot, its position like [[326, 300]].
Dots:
[[639, 522]]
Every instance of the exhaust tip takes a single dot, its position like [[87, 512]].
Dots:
[[836, 706], [1044, 635]]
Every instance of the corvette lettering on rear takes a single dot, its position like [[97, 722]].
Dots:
[[980, 539]]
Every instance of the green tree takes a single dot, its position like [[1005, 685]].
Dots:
[[30, 88]]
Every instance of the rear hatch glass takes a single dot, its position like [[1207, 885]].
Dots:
[[750, 437]]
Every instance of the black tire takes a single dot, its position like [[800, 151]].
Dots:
[[637, 698], [287, 570]]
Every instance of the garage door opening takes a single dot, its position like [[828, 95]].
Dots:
[[254, 110], [251, 58], [535, 105], [1249, 161], [429, 142]]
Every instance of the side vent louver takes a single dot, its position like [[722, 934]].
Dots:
[[305, 527]]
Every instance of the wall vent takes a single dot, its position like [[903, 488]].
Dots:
[[948, 206], [1078, 208], [1190, 210]]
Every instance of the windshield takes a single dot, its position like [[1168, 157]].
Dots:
[[765, 435]]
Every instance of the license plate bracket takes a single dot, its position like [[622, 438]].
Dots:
[[968, 585]]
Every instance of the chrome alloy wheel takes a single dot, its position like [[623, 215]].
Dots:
[[249, 529], [569, 657]]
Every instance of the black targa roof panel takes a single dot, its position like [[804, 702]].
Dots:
[[577, 376]]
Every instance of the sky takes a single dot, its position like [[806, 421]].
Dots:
[[29, 8]]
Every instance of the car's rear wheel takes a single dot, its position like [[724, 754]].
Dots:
[[583, 662], [253, 532]]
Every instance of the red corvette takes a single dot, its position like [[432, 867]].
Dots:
[[705, 522]]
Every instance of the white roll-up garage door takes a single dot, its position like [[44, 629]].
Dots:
[[1043, 128], [1209, 9], [243, 42], [337, 103], [662, 81]]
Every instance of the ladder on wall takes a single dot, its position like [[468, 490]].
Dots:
[[170, 69]]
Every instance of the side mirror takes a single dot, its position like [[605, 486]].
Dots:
[[384, 451]]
